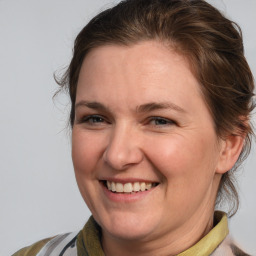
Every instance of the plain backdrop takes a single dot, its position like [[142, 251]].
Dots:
[[38, 193]]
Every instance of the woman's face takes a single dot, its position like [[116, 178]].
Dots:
[[141, 124]]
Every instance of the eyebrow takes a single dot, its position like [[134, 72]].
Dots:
[[156, 106], [148, 107], [91, 105]]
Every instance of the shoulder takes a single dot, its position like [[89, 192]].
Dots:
[[32, 249], [228, 248], [58, 245]]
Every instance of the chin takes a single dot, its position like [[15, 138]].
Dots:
[[129, 227]]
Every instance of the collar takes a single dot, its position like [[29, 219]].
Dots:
[[212, 240]]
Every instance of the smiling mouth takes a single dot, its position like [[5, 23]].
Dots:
[[129, 187]]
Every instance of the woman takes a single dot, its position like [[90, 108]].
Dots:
[[161, 96]]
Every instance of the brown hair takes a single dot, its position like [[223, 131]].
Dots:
[[212, 44]]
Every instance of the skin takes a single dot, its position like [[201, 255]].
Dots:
[[124, 141]]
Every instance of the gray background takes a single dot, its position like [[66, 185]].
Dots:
[[38, 193]]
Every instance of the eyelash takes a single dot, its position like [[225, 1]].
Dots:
[[161, 119], [98, 120], [91, 119]]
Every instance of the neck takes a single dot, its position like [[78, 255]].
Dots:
[[169, 244]]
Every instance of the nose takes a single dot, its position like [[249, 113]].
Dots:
[[123, 149]]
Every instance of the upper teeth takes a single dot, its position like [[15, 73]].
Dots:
[[128, 187]]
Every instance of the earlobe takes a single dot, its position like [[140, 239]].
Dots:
[[230, 151]]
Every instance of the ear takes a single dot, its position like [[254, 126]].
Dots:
[[231, 148]]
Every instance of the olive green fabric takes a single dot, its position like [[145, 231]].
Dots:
[[33, 249], [212, 240], [89, 240]]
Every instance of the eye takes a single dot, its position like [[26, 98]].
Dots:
[[93, 120], [160, 121]]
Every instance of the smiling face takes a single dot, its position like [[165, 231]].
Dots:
[[141, 124]]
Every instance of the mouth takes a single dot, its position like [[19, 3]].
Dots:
[[129, 187]]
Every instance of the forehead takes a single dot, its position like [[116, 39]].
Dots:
[[137, 74], [144, 53], [146, 61]]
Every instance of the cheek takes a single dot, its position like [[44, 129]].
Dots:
[[86, 151], [187, 169], [184, 159]]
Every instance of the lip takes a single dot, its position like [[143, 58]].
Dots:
[[127, 180], [126, 197]]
